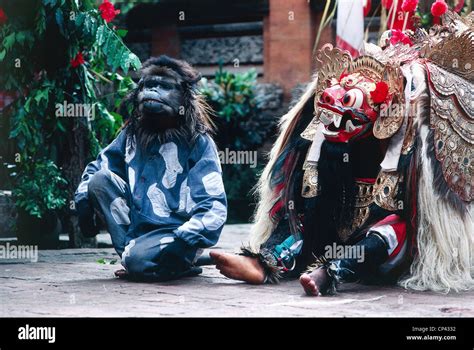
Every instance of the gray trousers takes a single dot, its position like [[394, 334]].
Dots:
[[151, 255]]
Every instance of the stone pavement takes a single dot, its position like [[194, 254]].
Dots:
[[72, 283]]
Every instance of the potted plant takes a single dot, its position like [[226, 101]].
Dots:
[[39, 193]]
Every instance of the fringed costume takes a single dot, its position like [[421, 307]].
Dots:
[[377, 154]]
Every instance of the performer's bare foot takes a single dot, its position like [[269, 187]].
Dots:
[[122, 273], [313, 282], [239, 267]]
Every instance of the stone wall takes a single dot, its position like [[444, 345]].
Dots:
[[212, 51], [268, 96], [271, 107]]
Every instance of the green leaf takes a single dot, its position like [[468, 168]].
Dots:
[[2, 54], [118, 118], [116, 52], [40, 95], [135, 61], [8, 41], [100, 35], [118, 56], [105, 113], [107, 261], [27, 105], [80, 18], [125, 61], [90, 25], [41, 21], [110, 50], [89, 86], [121, 32]]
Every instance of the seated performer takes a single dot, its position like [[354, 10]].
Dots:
[[376, 156], [158, 185]]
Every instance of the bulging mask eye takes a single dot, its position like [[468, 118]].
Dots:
[[353, 98]]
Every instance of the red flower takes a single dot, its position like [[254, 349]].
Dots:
[[108, 11], [439, 8], [77, 61], [409, 5], [380, 94], [3, 17], [397, 36]]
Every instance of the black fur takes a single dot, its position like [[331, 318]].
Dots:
[[333, 208], [195, 120]]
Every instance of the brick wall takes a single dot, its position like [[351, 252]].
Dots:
[[288, 37], [289, 32], [165, 40]]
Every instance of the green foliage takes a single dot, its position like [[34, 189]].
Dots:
[[232, 97], [40, 187], [113, 51], [38, 44]]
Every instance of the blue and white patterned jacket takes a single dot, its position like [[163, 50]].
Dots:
[[175, 187]]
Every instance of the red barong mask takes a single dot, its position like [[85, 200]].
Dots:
[[351, 94], [347, 109]]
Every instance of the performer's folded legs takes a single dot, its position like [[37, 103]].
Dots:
[[110, 198], [159, 257]]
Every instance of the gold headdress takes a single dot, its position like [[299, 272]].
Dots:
[[332, 62]]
